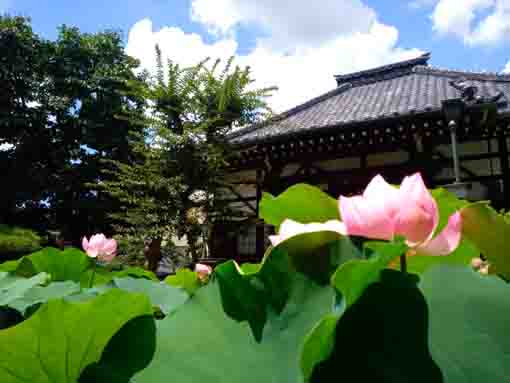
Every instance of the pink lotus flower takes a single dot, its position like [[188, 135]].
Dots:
[[203, 271], [383, 212], [290, 228], [100, 247]]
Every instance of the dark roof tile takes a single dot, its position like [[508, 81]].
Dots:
[[399, 89]]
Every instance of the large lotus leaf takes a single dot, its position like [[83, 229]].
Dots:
[[42, 294], [382, 337], [66, 265], [9, 266], [468, 320], [491, 234], [249, 296], [103, 275], [462, 256], [302, 203], [184, 279], [448, 203], [322, 262], [351, 280], [61, 339], [13, 288], [167, 298], [200, 343], [130, 350], [353, 277]]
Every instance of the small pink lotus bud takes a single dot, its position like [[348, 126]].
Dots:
[[476, 263], [203, 271]]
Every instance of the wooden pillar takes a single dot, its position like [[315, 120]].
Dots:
[[505, 168], [259, 239]]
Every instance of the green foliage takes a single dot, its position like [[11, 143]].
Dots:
[[42, 294], [302, 203], [383, 336], [13, 288], [468, 318], [462, 256], [18, 241], [66, 104], [184, 279], [250, 296], [353, 277], [316, 309], [70, 337], [183, 150], [67, 265], [201, 343], [167, 298], [493, 243]]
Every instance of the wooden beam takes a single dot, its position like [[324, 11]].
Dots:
[[239, 199], [259, 240], [505, 168]]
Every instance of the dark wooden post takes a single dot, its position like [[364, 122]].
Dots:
[[259, 235], [505, 168]]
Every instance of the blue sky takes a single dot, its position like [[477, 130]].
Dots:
[[297, 45]]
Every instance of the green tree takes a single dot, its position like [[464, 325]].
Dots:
[[23, 60], [65, 105], [184, 155]]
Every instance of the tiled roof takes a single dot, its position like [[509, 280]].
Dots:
[[394, 90]]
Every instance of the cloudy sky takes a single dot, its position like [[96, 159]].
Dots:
[[296, 45]]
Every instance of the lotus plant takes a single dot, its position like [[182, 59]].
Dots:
[[386, 212], [203, 271], [101, 248]]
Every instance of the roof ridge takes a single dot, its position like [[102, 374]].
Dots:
[[280, 116], [472, 75], [406, 64]]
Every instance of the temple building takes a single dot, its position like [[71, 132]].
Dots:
[[450, 125]]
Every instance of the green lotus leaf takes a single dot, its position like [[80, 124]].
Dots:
[[353, 277], [468, 317], [42, 294], [302, 203], [200, 343], [184, 279], [59, 341], [104, 275], [66, 265], [167, 298], [14, 288], [249, 296], [489, 231], [382, 337]]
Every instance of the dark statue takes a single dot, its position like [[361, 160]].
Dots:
[[469, 92]]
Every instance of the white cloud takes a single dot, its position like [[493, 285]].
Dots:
[[506, 70], [304, 73], [6, 147], [476, 22], [287, 21], [186, 48], [300, 50]]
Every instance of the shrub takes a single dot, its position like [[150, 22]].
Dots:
[[17, 241]]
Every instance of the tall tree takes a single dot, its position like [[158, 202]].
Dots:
[[179, 177], [64, 106], [24, 139]]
